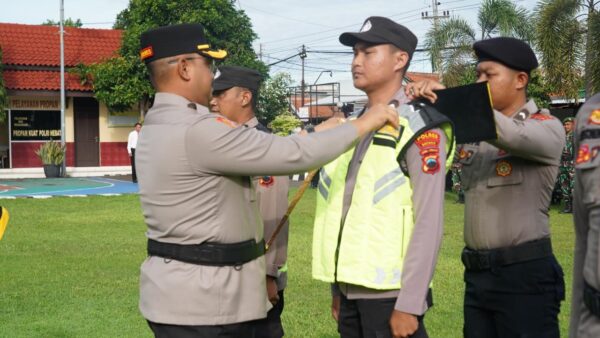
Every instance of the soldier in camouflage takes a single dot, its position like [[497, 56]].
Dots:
[[567, 168], [456, 185]]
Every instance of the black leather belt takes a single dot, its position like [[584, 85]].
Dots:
[[214, 254], [591, 299], [487, 259]]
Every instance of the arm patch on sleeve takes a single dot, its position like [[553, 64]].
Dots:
[[429, 149]]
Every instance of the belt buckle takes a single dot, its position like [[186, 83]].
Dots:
[[483, 260]]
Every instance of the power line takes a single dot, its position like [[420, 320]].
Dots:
[[285, 17]]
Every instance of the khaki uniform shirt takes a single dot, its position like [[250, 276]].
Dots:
[[508, 182], [272, 196], [586, 213], [194, 172], [428, 204]]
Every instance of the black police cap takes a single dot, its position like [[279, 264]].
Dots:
[[174, 40], [511, 52], [379, 30], [234, 76]]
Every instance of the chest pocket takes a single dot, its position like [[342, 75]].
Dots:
[[465, 155], [505, 171]]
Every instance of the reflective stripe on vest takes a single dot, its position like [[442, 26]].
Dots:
[[369, 248]]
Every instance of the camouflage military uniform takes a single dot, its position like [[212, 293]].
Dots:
[[456, 184], [567, 173]]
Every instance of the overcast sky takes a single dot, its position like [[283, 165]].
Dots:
[[282, 26]]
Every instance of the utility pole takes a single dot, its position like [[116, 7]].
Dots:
[[62, 86], [302, 56], [435, 18], [260, 52]]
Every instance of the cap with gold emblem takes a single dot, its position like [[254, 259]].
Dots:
[[174, 40]]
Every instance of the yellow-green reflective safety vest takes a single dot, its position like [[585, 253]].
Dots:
[[368, 246]]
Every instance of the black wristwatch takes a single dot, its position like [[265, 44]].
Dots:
[[310, 128]]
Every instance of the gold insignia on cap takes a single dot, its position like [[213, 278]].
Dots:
[[215, 54]]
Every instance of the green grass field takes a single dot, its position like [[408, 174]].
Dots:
[[69, 268]]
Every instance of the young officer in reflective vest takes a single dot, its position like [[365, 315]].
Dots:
[[378, 224], [585, 307]]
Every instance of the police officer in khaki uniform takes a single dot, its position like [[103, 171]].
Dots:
[[205, 274], [585, 307], [235, 94], [514, 284]]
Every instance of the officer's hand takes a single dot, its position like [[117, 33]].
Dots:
[[272, 291], [375, 118], [335, 307], [403, 324], [423, 88]]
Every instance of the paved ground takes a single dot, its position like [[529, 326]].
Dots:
[[71, 186]]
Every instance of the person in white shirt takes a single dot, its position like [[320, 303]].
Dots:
[[131, 143]]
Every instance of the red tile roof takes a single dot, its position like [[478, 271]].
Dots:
[[41, 80], [36, 45]]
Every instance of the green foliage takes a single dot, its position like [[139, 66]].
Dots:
[[568, 36], [123, 81], [284, 124], [115, 86], [539, 90], [593, 57], [51, 152], [67, 23], [3, 93], [450, 45], [560, 42], [503, 17], [273, 98]]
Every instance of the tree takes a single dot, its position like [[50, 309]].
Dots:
[[450, 43], [569, 41], [284, 124], [273, 98], [67, 23], [121, 82], [3, 94]]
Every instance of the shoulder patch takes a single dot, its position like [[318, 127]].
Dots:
[[594, 117], [583, 154], [541, 117], [429, 139], [226, 122], [429, 146]]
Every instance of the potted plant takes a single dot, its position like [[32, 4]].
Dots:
[[52, 155]]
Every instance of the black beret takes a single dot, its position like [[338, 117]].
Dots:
[[379, 30], [234, 76], [174, 40], [511, 52]]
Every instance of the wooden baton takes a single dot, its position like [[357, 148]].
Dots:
[[290, 208]]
